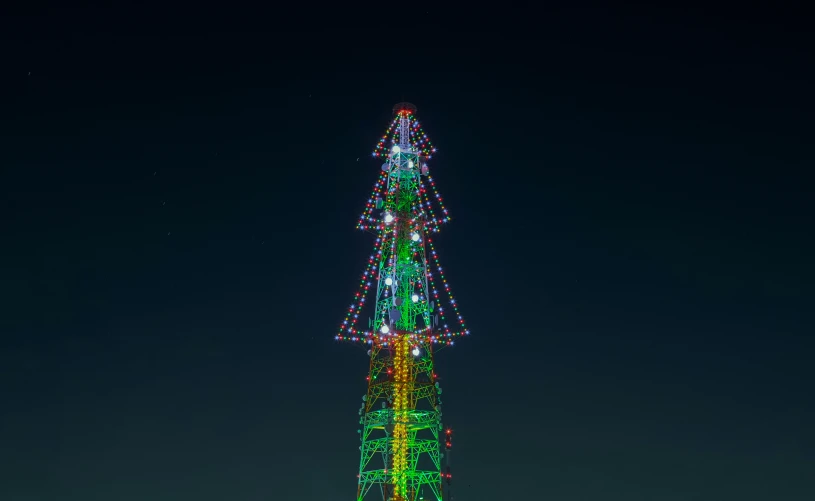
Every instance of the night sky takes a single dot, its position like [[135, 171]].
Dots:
[[631, 247]]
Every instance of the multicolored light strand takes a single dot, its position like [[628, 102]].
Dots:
[[439, 199], [347, 331], [366, 219], [433, 222], [381, 149], [451, 300], [418, 138]]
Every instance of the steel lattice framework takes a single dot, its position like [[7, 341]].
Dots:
[[403, 441]]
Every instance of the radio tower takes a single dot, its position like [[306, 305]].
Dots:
[[405, 449]]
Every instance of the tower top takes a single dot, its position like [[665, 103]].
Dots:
[[406, 132], [409, 107]]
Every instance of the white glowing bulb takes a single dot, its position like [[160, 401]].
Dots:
[[415, 237], [388, 218], [396, 149], [384, 329], [389, 281], [415, 298], [410, 164], [416, 351]]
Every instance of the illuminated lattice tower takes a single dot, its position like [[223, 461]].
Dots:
[[405, 450]]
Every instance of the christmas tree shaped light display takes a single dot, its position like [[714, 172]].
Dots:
[[405, 450]]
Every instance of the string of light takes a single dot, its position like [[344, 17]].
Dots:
[[381, 148], [434, 222], [417, 137], [387, 239], [366, 219], [451, 300], [439, 200], [347, 331]]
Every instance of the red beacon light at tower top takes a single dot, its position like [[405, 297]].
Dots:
[[404, 107]]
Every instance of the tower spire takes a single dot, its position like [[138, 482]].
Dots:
[[404, 111]]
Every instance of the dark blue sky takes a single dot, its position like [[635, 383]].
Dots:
[[631, 247]]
